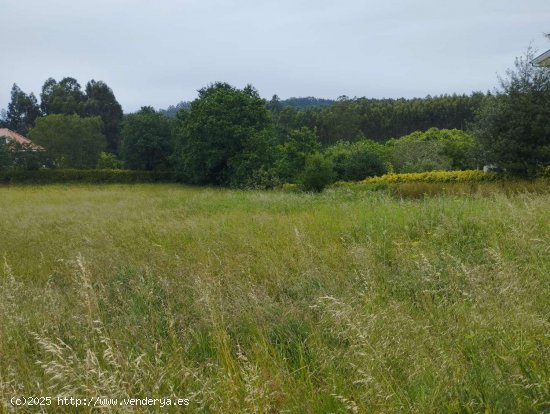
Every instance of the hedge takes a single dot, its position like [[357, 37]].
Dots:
[[466, 176], [435, 177], [51, 176]]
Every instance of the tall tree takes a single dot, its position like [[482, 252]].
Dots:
[[65, 97], [22, 111], [100, 101], [72, 141], [221, 127], [513, 126], [147, 142]]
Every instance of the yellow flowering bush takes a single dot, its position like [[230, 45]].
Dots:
[[434, 177]]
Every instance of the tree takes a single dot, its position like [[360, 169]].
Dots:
[[358, 160], [147, 142], [100, 101], [293, 153], [513, 127], [217, 137], [71, 141], [340, 121], [22, 111], [317, 174], [65, 97]]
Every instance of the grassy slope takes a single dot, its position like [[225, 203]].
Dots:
[[258, 301]]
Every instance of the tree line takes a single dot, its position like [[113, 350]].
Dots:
[[233, 137], [350, 119]]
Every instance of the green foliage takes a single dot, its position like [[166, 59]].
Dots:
[[65, 97], [100, 101], [71, 141], [5, 155], [292, 155], [358, 160], [434, 149], [250, 167], [317, 174], [22, 111], [378, 119], [108, 161], [435, 176], [105, 176], [25, 158], [544, 172], [15, 156], [513, 126], [307, 102], [147, 142], [339, 122], [216, 141], [422, 189]]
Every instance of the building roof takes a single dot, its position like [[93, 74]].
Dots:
[[542, 60], [14, 136]]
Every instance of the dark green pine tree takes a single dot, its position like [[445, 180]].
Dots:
[[22, 111]]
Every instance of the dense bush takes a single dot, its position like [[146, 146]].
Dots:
[[435, 176], [292, 154], [318, 173], [15, 156], [358, 160], [51, 176], [5, 155], [544, 172], [108, 161], [434, 149]]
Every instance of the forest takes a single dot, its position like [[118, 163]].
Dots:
[[233, 137]]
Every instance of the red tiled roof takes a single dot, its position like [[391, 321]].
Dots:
[[14, 136]]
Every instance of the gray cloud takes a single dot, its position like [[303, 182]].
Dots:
[[158, 53]]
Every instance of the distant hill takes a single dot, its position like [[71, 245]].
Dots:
[[296, 103]]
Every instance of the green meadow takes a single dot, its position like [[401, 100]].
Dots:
[[268, 302]]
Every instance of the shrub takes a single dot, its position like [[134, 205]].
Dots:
[[299, 144], [544, 172], [317, 174], [358, 160], [15, 156], [435, 176], [5, 155], [51, 176], [109, 161], [434, 149], [261, 179]]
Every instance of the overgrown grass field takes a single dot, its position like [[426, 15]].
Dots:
[[250, 301]]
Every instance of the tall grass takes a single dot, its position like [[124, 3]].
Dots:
[[246, 301]]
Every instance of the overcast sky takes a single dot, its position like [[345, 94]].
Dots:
[[160, 52]]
